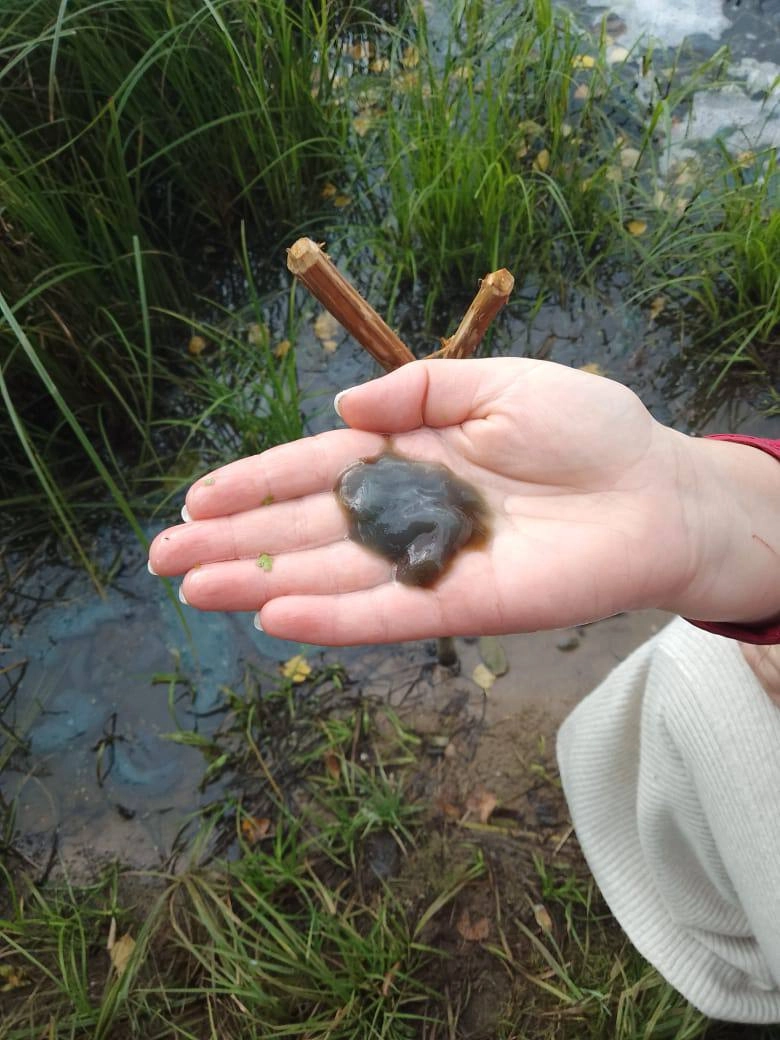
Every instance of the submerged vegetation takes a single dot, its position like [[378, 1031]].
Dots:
[[149, 152]]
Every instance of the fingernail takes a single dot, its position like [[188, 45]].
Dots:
[[256, 623], [151, 569], [185, 515], [182, 597], [337, 401]]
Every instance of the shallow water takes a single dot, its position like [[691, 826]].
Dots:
[[98, 777]]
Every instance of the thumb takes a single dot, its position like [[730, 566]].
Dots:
[[423, 393]]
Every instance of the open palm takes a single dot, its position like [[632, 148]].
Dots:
[[582, 483]]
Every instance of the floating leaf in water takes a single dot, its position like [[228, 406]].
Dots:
[[616, 54], [258, 335], [636, 227], [476, 932], [196, 345], [265, 562], [657, 304], [255, 828], [542, 162], [297, 669], [629, 156], [361, 50], [120, 951], [583, 61], [281, 350], [410, 58], [483, 677], [361, 124], [492, 653], [326, 329]]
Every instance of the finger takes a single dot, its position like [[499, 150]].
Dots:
[[283, 527], [302, 467], [765, 662], [246, 585], [390, 612], [427, 393]]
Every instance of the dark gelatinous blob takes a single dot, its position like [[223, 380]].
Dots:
[[415, 514]]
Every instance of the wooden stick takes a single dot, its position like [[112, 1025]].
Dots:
[[307, 262], [319, 274], [494, 290]]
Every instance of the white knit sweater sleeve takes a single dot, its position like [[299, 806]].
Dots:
[[671, 768]]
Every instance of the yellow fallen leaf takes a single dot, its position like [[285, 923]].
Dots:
[[410, 58], [616, 53], [120, 952], [361, 125], [542, 162], [257, 335], [196, 345], [12, 978], [542, 917], [476, 932], [361, 50], [483, 677], [255, 828], [281, 350], [481, 804], [389, 979], [657, 304], [326, 326], [636, 227], [463, 72], [332, 765], [629, 156], [583, 61], [297, 669]]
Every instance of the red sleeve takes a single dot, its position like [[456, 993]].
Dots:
[[761, 634]]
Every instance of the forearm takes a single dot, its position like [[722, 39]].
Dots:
[[734, 515]]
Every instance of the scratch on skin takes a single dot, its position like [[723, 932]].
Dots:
[[766, 545]]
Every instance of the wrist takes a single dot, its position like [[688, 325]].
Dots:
[[732, 492]]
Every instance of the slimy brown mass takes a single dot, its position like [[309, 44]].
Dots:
[[415, 514]]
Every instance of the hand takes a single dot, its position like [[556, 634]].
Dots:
[[765, 662], [597, 508]]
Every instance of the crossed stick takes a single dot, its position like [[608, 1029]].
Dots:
[[310, 265]]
